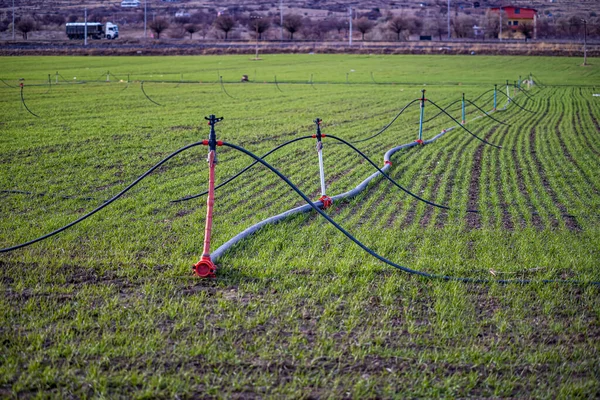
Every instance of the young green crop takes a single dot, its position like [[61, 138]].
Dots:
[[111, 308]]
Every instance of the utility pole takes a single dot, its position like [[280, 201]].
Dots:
[[13, 24], [584, 41], [350, 26], [85, 27], [281, 18], [145, 18], [448, 20]]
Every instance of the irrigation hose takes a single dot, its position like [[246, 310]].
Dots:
[[107, 203], [380, 257], [277, 85], [148, 97], [515, 103], [231, 178], [463, 127], [23, 101], [223, 87], [10, 86], [440, 113], [486, 114], [388, 125], [391, 180], [482, 94], [525, 93]]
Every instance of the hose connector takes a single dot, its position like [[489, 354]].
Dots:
[[327, 201], [205, 268]]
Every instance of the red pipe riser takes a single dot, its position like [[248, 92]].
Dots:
[[205, 268]]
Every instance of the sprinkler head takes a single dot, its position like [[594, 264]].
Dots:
[[205, 268]]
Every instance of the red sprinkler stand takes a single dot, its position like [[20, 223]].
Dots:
[[205, 268]]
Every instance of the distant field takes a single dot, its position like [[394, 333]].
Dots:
[[110, 307]]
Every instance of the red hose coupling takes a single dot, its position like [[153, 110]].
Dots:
[[205, 268], [388, 162], [327, 202], [419, 141]]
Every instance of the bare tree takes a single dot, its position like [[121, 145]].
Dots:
[[438, 26], [225, 23], [491, 23], [26, 25], [292, 23], [191, 29], [398, 25], [158, 26], [259, 25], [364, 25], [340, 25], [526, 29], [463, 26]]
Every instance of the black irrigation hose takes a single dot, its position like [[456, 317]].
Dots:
[[114, 76], [63, 78], [381, 258], [463, 127], [388, 125], [277, 85], [440, 113], [27, 108], [10, 86], [143, 91], [223, 87], [486, 114], [515, 103], [108, 202], [243, 170], [525, 93], [482, 94], [393, 181]]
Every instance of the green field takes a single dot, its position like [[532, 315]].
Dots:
[[111, 308]]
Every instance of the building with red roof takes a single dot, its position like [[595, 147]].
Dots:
[[513, 17]]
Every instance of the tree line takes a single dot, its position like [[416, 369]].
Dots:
[[373, 25]]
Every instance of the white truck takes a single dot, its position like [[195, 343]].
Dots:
[[95, 30]]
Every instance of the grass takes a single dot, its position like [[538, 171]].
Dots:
[[110, 308]]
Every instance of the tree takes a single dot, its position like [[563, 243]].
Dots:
[[463, 26], [26, 25], [398, 25], [191, 29], [225, 23], [292, 23], [259, 25], [364, 25], [438, 26], [339, 24], [158, 26], [526, 29]]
